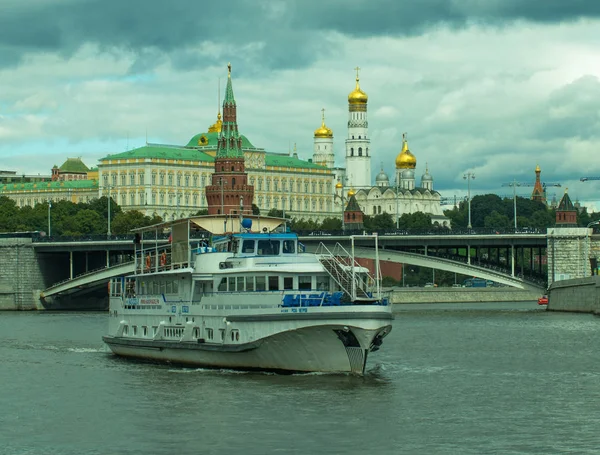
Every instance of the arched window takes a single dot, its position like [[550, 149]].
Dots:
[[352, 151], [359, 151], [233, 181]]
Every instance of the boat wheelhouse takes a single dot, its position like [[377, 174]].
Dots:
[[246, 299]]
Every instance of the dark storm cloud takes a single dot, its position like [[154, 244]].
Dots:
[[290, 30]]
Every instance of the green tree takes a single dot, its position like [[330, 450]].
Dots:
[[124, 222], [417, 220], [496, 220], [331, 224], [255, 209], [201, 212], [84, 222], [379, 223], [9, 215]]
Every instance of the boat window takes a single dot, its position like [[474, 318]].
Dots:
[[322, 283], [145, 330], [273, 283], [248, 246], [169, 287], [288, 282], [289, 247], [154, 330], [125, 330], [235, 245], [223, 284], [196, 332], [175, 287], [249, 283], [222, 331], [231, 284], [304, 282], [134, 329], [260, 283], [240, 283], [268, 248], [209, 334]]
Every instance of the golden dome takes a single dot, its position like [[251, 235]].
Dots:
[[323, 131], [405, 159], [339, 186], [216, 128], [537, 168], [357, 96], [351, 192]]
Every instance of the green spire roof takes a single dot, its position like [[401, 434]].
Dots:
[[230, 143], [229, 98]]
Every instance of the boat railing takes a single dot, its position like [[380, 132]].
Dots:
[[153, 259], [342, 267]]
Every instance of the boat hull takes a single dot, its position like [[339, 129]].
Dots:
[[331, 348]]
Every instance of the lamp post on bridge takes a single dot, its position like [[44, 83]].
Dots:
[[49, 224], [108, 233], [468, 177]]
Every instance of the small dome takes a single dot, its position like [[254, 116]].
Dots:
[[357, 96], [351, 192], [382, 177], [405, 159], [537, 168], [407, 174], [339, 186], [427, 176]]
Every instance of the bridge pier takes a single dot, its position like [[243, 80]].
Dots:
[[568, 253]]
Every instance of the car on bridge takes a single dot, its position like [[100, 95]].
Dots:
[[543, 300]]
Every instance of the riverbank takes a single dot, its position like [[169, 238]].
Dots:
[[455, 295]]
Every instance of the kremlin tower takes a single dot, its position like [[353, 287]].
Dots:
[[538, 193], [358, 159], [229, 191]]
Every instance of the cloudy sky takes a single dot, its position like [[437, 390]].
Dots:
[[492, 87]]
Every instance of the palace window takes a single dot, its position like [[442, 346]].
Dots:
[[142, 178], [162, 179], [123, 199], [306, 187], [268, 184], [114, 180], [170, 179], [132, 179], [260, 184], [178, 179], [122, 179], [195, 199], [359, 151], [276, 185], [154, 178], [314, 187], [203, 180], [195, 180], [187, 180]]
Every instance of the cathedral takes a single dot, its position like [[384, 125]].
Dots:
[[396, 198]]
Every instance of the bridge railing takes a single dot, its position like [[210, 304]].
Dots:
[[422, 232]]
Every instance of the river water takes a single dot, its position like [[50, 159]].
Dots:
[[505, 378]]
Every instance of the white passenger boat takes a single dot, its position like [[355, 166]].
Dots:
[[246, 300]]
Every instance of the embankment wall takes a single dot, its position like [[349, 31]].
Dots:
[[453, 295], [577, 295]]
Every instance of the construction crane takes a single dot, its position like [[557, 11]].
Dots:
[[454, 200], [515, 184], [585, 179]]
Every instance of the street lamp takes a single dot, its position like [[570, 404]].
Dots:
[[514, 185], [108, 234], [397, 209], [468, 176], [49, 227]]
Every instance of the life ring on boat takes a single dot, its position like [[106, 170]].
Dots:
[[163, 259], [148, 261]]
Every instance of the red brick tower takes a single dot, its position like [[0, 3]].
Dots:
[[229, 190]]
